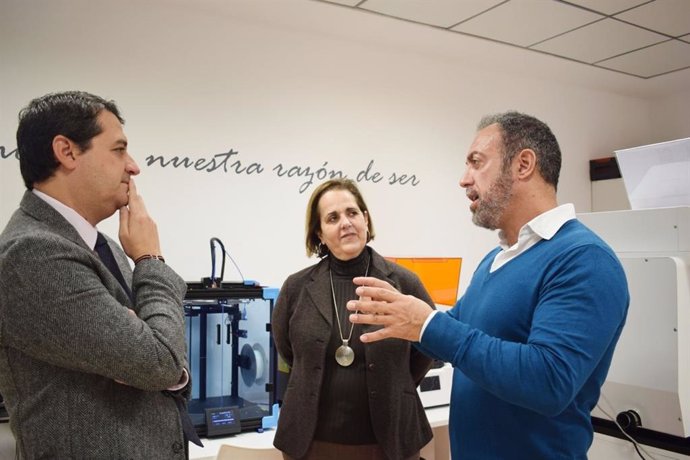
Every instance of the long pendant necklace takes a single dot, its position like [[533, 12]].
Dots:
[[344, 355]]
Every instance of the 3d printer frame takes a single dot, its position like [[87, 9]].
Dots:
[[201, 301]]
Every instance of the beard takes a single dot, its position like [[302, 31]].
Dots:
[[490, 208]]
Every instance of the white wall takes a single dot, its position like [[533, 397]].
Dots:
[[670, 117], [296, 82], [669, 120]]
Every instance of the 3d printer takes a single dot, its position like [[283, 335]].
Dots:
[[231, 354]]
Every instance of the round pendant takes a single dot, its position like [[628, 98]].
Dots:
[[344, 355]]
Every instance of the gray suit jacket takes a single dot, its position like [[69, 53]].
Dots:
[[66, 339], [301, 325]]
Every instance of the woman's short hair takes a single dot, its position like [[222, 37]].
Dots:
[[313, 221]]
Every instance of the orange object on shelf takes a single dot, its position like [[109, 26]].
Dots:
[[440, 275]]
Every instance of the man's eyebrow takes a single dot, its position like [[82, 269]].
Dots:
[[473, 154]]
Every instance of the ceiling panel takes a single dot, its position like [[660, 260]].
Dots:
[[601, 40], [667, 16], [345, 2], [442, 13], [607, 6], [526, 22], [655, 60], [620, 34]]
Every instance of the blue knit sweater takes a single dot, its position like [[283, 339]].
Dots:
[[531, 344]]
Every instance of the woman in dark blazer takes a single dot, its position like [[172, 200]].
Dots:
[[344, 399]]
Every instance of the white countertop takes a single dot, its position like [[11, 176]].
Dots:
[[438, 416]]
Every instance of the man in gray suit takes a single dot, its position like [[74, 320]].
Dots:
[[92, 354]]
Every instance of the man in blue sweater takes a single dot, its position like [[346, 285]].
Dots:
[[532, 338]]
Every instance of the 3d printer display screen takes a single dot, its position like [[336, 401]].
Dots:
[[223, 418]]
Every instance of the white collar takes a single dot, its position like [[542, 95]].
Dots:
[[545, 225], [88, 232]]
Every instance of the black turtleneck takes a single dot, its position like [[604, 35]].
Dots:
[[344, 415]]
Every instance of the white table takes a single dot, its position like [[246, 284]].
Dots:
[[438, 449]]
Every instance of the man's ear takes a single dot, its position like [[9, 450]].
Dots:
[[526, 162], [65, 151]]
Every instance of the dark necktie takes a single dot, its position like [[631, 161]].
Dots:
[[187, 425], [108, 259]]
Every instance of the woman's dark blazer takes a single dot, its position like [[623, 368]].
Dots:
[[302, 320]]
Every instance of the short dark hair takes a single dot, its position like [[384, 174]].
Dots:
[[72, 114], [521, 131], [313, 223]]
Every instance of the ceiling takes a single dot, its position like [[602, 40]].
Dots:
[[641, 38]]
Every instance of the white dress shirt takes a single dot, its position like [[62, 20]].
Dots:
[[88, 232]]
